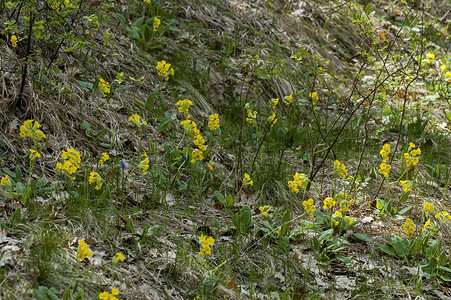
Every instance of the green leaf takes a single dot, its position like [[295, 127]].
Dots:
[[85, 84], [18, 176], [401, 247], [380, 205], [326, 235], [100, 133], [403, 211], [286, 222], [344, 258], [155, 229], [387, 249], [404, 198], [229, 202], [220, 197], [361, 237], [123, 88], [129, 226], [85, 126], [9, 173], [105, 145], [79, 295], [20, 188]]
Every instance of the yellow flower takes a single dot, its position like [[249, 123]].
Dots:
[[197, 156], [407, 185], [71, 159], [409, 227], [385, 152], [95, 177], [329, 202], [265, 210], [156, 23], [28, 129], [428, 225], [309, 207], [247, 180], [34, 154], [136, 119], [288, 99], [443, 67], [118, 257], [210, 165], [294, 186], [5, 181], [147, 1], [428, 208], [340, 169], [384, 169], [272, 119], [213, 122], [252, 118], [164, 69], [104, 87], [83, 250], [103, 158], [314, 96], [430, 56], [350, 221], [184, 105], [273, 102], [143, 165], [301, 180], [14, 41], [206, 244]]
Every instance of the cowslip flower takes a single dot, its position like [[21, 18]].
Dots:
[[384, 169], [143, 165], [265, 210], [430, 56], [14, 40], [247, 180], [213, 122], [117, 258], [428, 225], [107, 296], [309, 207], [197, 156], [428, 208], [71, 162], [104, 87], [184, 105], [273, 102], [385, 152], [95, 177], [28, 129], [5, 181], [407, 184], [147, 1], [272, 119], [340, 169], [211, 165], [156, 23], [164, 69], [314, 96], [206, 242], [136, 119], [411, 157], [103, 158], [34, 154], [83, 250], [299, 181], [443, 67], [252, 117], [288, 99], [329, 202], [408, 226]]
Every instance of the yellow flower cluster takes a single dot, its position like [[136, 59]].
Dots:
[[197, 156], [164, 69], [340, 169], [272, 119], [428, 208], [411, 159], [252, 117], [247, 180], [104, 87], [443, 216], [385, 152], [309, 207], [430, 56], [95, 177], [143, 165], [447, 75], [265, 210], [384, 169], [300, 181], [14, 40], [314, 96], [28, 129], [34, 154], [156, 24], [183, 106], [118, 257], [329, 202], [147, 1], [5, 181], [428, 225], [206, 244], [103, 158], [273, 103], [213, 122], [407, 184], [83, 250], [107, 296], [71, 162], [136, 119], [288, 99], [408, 226]]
